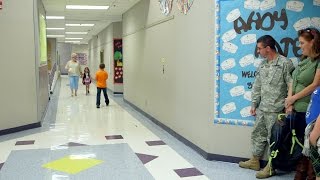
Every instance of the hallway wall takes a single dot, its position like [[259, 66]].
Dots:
[[104, 42], [19, 62], [182, 98]]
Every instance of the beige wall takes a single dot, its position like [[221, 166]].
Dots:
[[183, 97], [19, 64], [104, 42]]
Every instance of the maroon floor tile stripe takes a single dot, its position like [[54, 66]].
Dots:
[[114, 137], [188, 172], [155, 143], [72, 144], [24, 142], [145, 158]]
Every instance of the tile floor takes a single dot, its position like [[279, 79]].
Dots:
[[122, 143]]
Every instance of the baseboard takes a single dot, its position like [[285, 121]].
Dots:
[[20, 128], [203, 153], [113, 92]]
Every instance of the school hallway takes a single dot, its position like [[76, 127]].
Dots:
[[77, 141]]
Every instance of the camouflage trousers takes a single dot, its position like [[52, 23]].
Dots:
[[260, 136]]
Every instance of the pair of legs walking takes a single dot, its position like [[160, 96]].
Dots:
[[104, 90], [74, 83]]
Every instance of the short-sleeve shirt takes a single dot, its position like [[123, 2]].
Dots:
[[302, 77], [101, 78], [314, 106]]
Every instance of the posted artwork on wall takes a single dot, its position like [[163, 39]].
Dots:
[[240, 23], [82, 58], [118, 61], [165, 6], [42, 40], [184, 5]]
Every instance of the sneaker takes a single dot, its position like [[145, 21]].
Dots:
[[98, 106]]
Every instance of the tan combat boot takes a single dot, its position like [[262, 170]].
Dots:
[[266, 172], [252, 163]]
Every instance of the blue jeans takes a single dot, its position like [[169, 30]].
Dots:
[[74, 82], [99, 95]]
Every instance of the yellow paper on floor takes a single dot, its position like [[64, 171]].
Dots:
[[72, 165]]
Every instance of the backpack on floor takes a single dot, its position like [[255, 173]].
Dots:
[[285, 146]]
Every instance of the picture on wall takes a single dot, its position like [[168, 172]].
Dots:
[[118, 61], [165, 6], [240, 23], [43, 40], [82, 58]]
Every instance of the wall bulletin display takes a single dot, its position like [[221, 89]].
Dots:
[[165, 6], [42, 40], [239, 24], [184, 5], [82, 58], [118, 61]]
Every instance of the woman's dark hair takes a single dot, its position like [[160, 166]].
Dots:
[[267, 40], [310, 34]]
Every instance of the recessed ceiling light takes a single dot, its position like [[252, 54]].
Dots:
[[54, 17], [55, 28], [76, 32], [72, 41], [86, 7], [74, 38], [79, 24], [55, 35]]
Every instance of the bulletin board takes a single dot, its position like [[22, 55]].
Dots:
[[239, 23], [117, 61]]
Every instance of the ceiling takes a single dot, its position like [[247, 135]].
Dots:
[[100, 18]]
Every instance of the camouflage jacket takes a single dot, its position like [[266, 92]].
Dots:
[[271, 84]]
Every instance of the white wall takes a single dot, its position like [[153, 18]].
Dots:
[[18, 62], [64, 51], [104, 42], [183, 97]]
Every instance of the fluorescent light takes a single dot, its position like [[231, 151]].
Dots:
[[55, 28], [72, 41], [54, 17], [55, 35], [76, 32], [86, 7], [79, 24], [74, 38]]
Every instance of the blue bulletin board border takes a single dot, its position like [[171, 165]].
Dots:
[[218, 120]]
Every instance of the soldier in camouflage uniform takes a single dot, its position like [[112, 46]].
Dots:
[[268, 96]]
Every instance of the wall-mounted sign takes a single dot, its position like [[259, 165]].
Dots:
[[165, 6]]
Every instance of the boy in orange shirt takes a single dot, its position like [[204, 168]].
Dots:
[[101, 78]]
